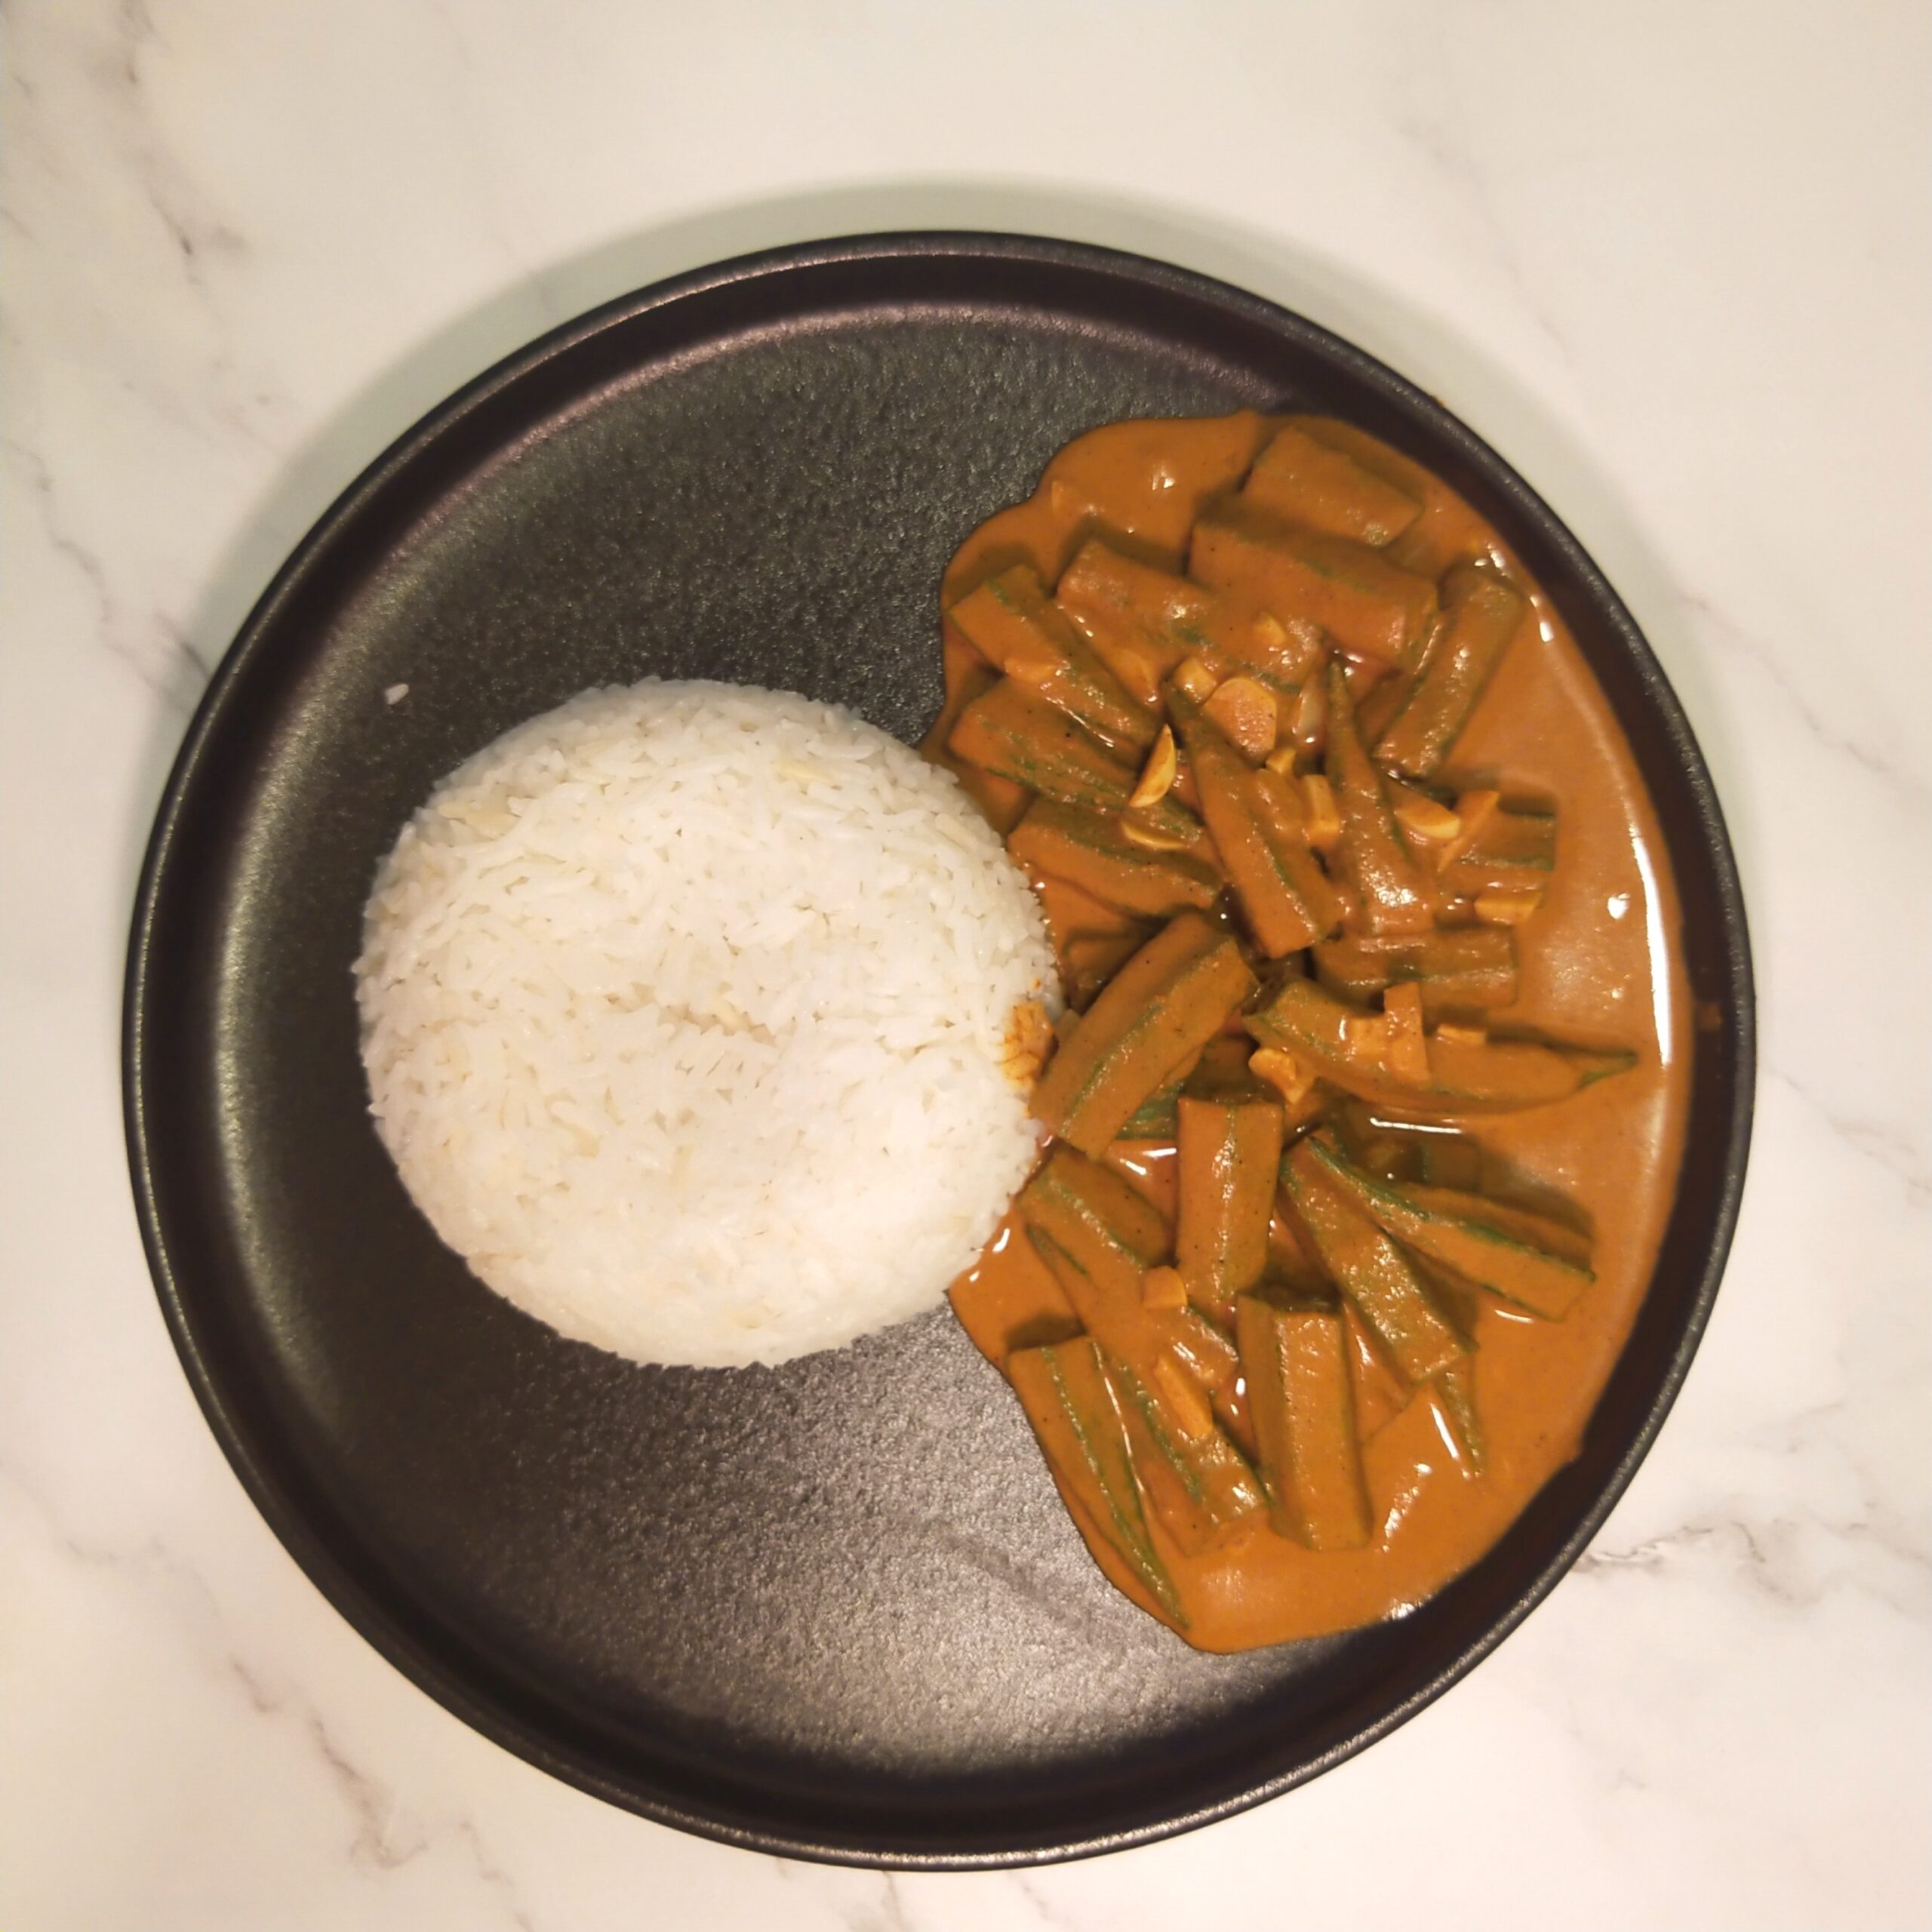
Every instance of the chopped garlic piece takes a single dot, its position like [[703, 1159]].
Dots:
[[1157, 775], [1163, 1287], [1407, 1053], [1194, 678], [1245, 710], [1324, 816], [1291, 1077], [1506, 909]]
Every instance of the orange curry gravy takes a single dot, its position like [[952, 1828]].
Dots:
[[1603, 967]]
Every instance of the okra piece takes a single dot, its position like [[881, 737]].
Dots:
[[1222, 1071], [1391, 1298], [1455, 1392], [1381, 1395], [1014, 733], [1394, 893], [1064, 1388], [1369, 608], [1456, 967], [1110, 1309], [1088, 849], [1309, 483], [1278, 808], [1535, 1230], [1509, 851], [1000, 800], [1088, 960], [1161, 1007], [1230, 1411], [1072, 914], [1158, 1118], [1482, 1242], [1202, 1346], [1284, 895], [1294, 1357], [1488, 1076], [1098, 1236], [1498, 1075], [1115, 1319], [1481, 613], [1200, 1484], [1283, 654], [973, 682], [1012, 622], [1143, 622], [1228, 1151]]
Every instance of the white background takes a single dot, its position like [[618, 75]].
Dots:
[[1671, 259]]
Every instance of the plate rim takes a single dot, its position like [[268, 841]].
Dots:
[[447, 1685]]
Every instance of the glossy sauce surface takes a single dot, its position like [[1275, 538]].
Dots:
[[1604, 969]]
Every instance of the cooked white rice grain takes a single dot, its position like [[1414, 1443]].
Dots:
[[684, 1009]]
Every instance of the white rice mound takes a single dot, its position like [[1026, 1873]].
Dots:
[[684, 1009]]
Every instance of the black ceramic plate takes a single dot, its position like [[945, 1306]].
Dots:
[[833, 1609]]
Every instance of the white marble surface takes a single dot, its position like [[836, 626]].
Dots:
[[1672, 260]]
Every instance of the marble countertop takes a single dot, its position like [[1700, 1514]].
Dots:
[[1673, 261]]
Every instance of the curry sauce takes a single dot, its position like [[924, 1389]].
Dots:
[[1389, 616]]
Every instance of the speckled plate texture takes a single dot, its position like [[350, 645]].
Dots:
[[833, 1609]]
